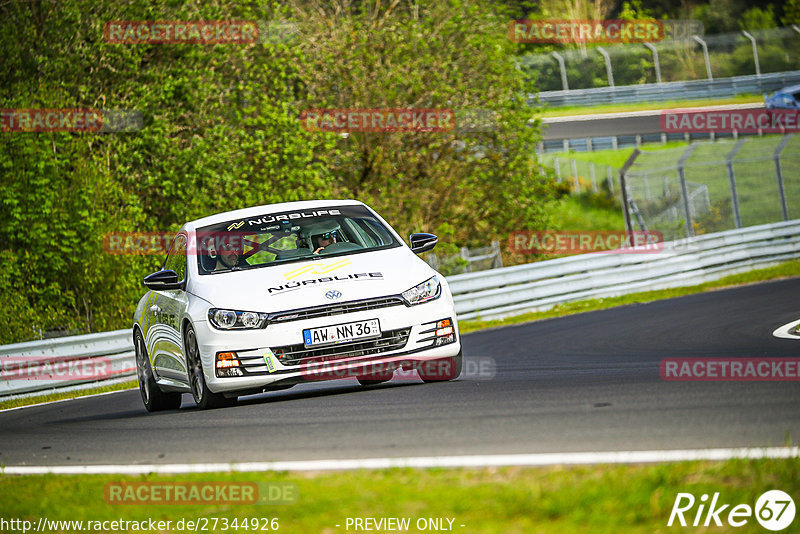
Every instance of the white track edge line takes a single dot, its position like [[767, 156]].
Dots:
[[492, 460]]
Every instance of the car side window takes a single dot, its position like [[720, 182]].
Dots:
[[176, 259]]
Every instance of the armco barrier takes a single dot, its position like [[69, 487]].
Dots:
[[35, 357], [663, 92], [498, 292], [539, 286]]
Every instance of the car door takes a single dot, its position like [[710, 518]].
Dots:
[[169, 307]]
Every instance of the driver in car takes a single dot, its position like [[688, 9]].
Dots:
[[227, 252], [323, 240]]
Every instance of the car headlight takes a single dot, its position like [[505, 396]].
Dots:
[[428, 290], [236, 320]]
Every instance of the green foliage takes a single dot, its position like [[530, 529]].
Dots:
[[222, 131], [758, 19], [791, 12]]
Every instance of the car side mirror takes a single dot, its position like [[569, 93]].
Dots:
[[422, 242], [163, 280]]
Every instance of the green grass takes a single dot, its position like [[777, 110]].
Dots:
[[604, 498], [783, 270], [581, 212], [567, 111], [754, 169], [26, 401]]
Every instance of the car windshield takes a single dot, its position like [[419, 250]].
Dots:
[[289, 236]]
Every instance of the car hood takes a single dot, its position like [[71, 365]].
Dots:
[[314, 283]]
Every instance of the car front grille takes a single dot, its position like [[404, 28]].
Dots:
[[297, 354], [329, 310]]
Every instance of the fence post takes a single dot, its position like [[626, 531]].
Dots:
[[575, 176], [755, 51], [607, 59], [610, 179], [705, 55], [779, 174], [594, 179], [656, 64], [563, 68], [557, 169], [732, 179], [624, 190], [685, 191]]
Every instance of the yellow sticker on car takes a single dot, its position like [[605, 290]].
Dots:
[[270, 361]]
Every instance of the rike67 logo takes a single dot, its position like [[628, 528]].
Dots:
[[774, 510]]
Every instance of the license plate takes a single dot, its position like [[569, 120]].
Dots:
[[342, 333]]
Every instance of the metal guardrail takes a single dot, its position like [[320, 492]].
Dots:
[[663, 92], [540, 286], [76, 362], [485, 294]]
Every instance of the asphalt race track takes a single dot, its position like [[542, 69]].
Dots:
[[587, 382], [599, 127], [608, 124]]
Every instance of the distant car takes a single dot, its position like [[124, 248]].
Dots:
[[267, 297], [786, 98]]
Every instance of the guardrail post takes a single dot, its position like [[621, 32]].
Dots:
[[497, 260], [624, 190], [732, 179], [656, 64], [779, 174], [705, 55], [465, 257], [755, 51], [563, 68], [685, 191], [607, 59]]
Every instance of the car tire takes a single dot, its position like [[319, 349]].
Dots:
[[441, 370], [153, 398], [203, 397]]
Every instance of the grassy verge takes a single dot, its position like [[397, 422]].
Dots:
[[567, 111], [605, 498], [15, 403], [784, 270]]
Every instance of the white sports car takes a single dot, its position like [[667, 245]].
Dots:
[[267, 297]]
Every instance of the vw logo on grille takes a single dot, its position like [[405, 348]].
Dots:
[[333, 294]]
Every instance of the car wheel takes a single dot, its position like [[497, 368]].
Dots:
[[442, 369], [154, 399], [203, 396], [375, 378]]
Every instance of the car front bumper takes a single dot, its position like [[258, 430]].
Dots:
[[407, 337]]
